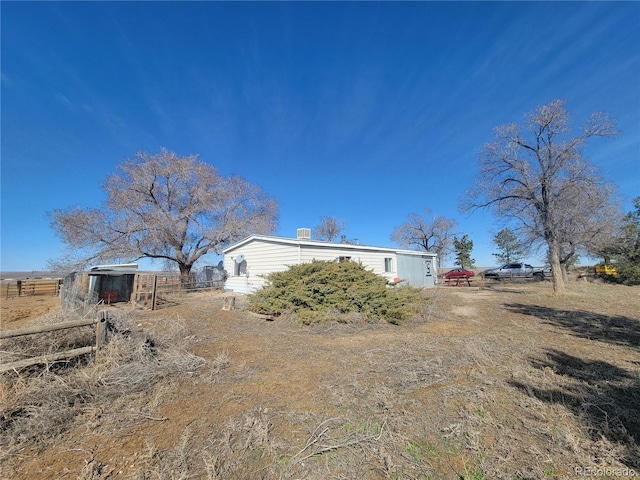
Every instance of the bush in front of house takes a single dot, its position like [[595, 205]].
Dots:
[[323, 290]]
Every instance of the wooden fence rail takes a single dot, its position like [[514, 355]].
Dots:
[[24, 288], [101, 323]]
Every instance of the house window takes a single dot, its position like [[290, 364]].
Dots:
[[240, 268], [344, 259], [388, 265]]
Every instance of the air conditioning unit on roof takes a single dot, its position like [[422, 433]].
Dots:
[[304, 234]]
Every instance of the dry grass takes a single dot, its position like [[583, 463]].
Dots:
[[40, 403], [501, 382]]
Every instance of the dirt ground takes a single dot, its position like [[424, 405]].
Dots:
[[497, 381], [18, 312]]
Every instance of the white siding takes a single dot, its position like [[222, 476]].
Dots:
[[262, 257], [372, 260]]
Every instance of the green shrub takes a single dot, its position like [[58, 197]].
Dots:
[[628, 273], [340, 291]]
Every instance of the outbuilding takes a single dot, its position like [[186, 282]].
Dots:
[[81, 291], [249, 260]]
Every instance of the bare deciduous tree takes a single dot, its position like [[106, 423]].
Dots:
[[329, 229], [167, 207], [537, 176], [431, 235]]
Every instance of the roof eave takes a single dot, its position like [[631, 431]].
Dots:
[[317, 243]]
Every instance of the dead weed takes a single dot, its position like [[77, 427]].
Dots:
[[524, 385]]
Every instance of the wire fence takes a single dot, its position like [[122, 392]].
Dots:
[[76, 297]]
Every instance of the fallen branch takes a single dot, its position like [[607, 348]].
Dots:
[[149, 417], [336, 446], [313, 438]]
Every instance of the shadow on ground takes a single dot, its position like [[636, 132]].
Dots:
[[605, 396], [614, 329]]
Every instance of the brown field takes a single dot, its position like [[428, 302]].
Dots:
[[19, 312], [497, 381]]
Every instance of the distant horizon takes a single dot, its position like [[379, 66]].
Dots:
[[4, 273]]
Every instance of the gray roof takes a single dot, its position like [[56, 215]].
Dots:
[[318, 243]]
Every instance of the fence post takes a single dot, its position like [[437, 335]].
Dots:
[[101, 328], [229, 303]]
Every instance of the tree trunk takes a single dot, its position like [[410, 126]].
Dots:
[[557, 278], [185, 274], [565, 273]]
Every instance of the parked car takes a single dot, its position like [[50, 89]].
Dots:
[[517, 270], [458, 273]]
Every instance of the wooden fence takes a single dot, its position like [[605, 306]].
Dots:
[[144, 290], [101, 323], [24, 288]]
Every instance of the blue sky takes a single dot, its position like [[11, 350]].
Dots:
[[362, 111]]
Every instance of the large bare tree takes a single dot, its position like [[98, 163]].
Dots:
[[429, 233], [536, 176], [329, 229], [163, 206]]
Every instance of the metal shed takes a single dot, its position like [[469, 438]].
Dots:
[[416, 269], [108, 284]]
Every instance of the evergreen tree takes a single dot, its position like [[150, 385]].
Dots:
[[509, 245], [463, 247], [628, 257]]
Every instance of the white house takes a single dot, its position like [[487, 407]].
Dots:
[[247, 261]]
